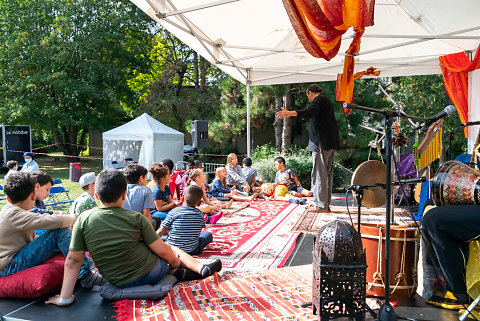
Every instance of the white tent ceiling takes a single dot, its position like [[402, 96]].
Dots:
[[254, 42]]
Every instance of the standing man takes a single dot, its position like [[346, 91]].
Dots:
[[323, 141]]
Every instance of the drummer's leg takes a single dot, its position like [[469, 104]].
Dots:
[[446, 229]]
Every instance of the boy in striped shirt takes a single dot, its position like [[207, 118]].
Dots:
[[184, 224]]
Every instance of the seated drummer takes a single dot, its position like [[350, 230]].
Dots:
[[448, 229], [124, 245]]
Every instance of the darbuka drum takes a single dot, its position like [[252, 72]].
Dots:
[[455, 183], [404, 245]]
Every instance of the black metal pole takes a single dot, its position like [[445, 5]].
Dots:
[[386, 312]]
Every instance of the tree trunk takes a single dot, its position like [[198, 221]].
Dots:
[[195, 71], [278, 124], [287, 124], [203, 74]]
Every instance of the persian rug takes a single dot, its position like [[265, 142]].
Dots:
[[310, 222], [275, 294], [256, 238]]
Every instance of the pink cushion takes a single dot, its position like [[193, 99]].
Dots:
[[34, 282]]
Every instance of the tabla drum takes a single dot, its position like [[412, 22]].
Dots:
[[455, 184], [404, 247]]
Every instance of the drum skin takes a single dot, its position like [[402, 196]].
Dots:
[[456, 184], [404, 245]]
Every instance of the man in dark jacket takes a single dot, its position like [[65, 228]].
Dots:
[[323, 141]]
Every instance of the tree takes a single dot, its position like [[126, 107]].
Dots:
[[179, 86], [64, 65]]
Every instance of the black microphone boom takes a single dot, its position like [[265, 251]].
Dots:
[[449, 110]]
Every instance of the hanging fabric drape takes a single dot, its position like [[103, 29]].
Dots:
[[320, 24], [345, 93], [455, 69]]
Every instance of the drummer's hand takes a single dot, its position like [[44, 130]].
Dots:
[[56, 301]]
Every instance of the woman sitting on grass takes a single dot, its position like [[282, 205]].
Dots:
[[219, 187]]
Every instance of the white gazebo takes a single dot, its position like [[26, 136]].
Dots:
[[143, 139], [254, 42]]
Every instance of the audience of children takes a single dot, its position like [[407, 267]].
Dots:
[[20, 249], [287, 176], [250, 173], [12, 166], [139, 196], [234, 173], [212, 207], [111, 234], [30, 165], [162, 197], [219, 187], [184, 224], [86, 200]]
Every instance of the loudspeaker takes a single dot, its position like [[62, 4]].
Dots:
[[200, 133]]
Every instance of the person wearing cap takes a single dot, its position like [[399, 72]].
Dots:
[[86, 200], [30, 165]]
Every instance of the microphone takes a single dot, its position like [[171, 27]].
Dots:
[[449, 110]]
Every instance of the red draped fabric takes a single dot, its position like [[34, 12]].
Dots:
[[320, 24], [455, 69]]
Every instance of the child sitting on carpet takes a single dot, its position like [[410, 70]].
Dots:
[[287, 176], [175, 176], [162, 196], [183, 182], [19, 249], [124, 245], [250, 173], [219, 187], [85, 201], [211, 206], [278, 192], [139, 196], [184, 224]]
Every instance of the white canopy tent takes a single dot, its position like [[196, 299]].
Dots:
[[254, 42], [144, 139]]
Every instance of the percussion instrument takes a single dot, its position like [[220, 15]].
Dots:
[[404, 247], [455, 183], [369, 173]]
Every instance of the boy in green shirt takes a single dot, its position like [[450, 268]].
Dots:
[[124, 245]]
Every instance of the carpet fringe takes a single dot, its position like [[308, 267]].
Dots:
[[121, 310]]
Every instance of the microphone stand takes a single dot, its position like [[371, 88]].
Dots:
[[386, 313]]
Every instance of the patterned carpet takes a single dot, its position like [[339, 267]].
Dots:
[[255, 238], [267, 295], [310, 222]]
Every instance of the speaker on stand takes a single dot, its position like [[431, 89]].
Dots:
[[200, 135]]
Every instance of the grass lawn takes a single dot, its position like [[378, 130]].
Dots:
[[60, 168]]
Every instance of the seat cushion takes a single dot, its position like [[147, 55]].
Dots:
[[156, 291], [34, 282]]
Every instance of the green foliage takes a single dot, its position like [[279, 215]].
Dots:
[[300, 161], [64, 65]]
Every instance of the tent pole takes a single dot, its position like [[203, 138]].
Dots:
[[248, 119]]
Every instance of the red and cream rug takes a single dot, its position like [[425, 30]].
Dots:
[[255, 238], [267, 295]]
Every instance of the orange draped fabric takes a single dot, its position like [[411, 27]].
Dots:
[[455, 69], [320, 24], [346, 92]]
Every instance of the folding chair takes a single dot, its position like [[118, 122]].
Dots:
[[58, 196], [58, 181], [1, 189]]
